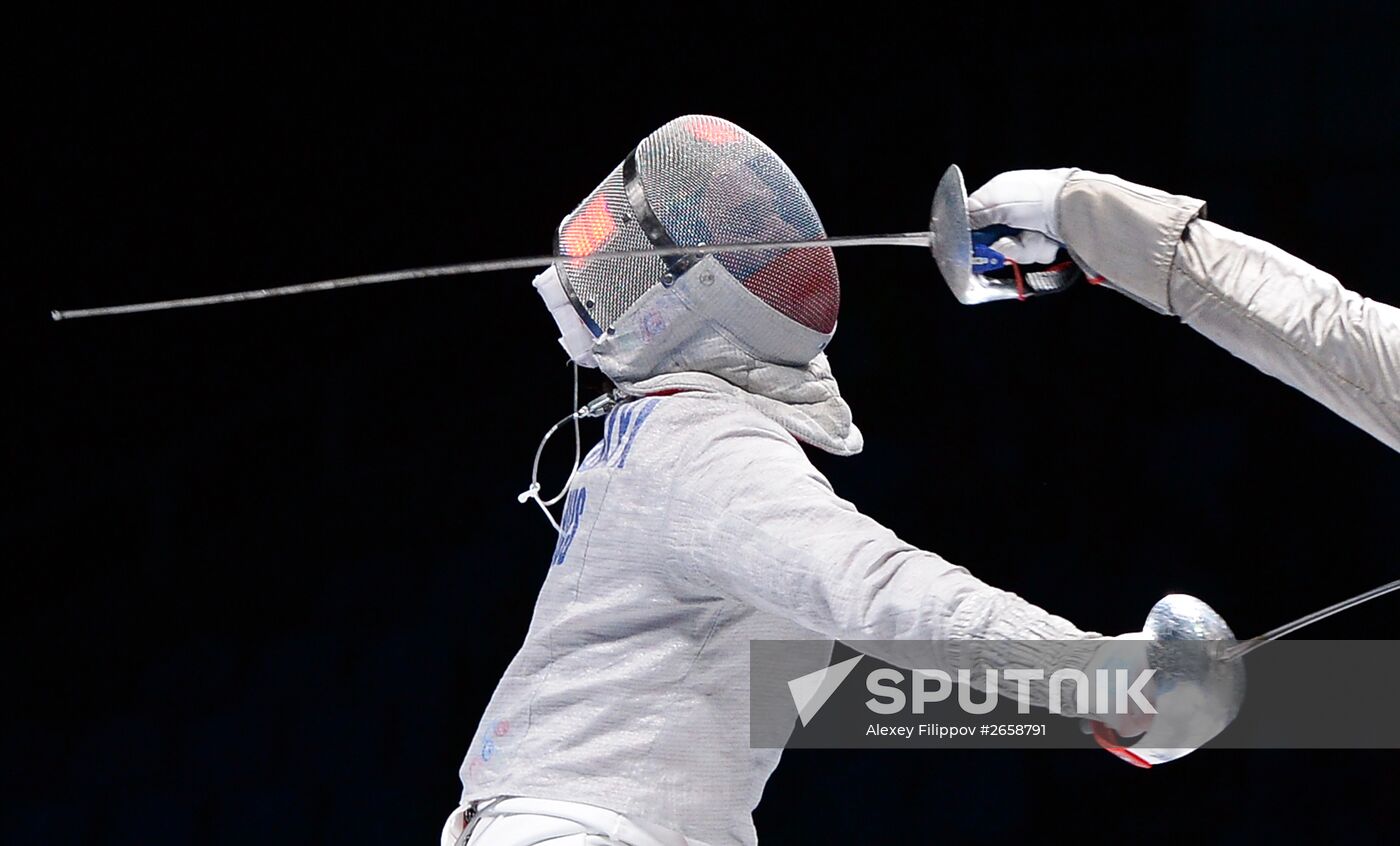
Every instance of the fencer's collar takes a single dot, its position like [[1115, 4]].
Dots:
[[806, 402]]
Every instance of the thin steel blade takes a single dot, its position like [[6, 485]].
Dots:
[[903, 239], [1240, 650]]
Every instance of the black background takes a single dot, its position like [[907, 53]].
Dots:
[[264, 563]]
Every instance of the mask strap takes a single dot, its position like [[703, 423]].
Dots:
[[596, 408]]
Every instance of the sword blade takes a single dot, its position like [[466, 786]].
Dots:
[[901, 239], [1240, 650]]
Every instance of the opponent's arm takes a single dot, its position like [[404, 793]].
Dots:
[[1275, 311]]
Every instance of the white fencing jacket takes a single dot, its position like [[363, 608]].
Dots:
[[698, 524]]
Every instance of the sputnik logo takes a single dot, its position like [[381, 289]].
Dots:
[[810, 692]]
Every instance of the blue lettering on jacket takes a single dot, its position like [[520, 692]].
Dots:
[[642, 414], [619, 433], [568, 527]]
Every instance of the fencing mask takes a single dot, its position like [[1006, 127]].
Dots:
[[697, 180]]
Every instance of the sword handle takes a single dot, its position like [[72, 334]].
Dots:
[[1026, 280], [1109, 740], [984, 258]]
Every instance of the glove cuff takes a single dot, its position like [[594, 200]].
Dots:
[[1125, 234]]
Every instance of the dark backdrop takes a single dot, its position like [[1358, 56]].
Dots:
[[264, 563]]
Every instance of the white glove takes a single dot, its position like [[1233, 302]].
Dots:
[[1126, 652], [1025, 200]]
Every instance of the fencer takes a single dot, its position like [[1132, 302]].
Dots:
[[698, 524]]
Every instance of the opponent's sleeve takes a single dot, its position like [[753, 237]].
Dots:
[[755, 521], [1280, 314]]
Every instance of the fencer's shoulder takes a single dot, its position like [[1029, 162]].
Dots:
[[670, 432], [725, 446], [714, 420]]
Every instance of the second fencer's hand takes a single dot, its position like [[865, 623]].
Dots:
[[1025, 200], [1128, 653]]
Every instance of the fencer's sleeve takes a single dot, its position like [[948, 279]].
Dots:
[[756, 522], [1280, 314]]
